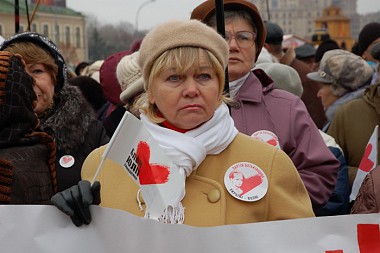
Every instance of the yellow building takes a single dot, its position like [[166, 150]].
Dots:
[[62, 25], [337, 26]]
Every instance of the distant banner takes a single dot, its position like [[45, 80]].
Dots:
[[61, 3], [44, 229]]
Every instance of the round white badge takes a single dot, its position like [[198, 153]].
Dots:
[[267, 136], [66, 161], [246, 181]]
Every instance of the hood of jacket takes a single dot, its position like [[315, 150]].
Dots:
[[372, 96], [70, 119]]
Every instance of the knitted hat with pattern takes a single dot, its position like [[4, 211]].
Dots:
[[129, 75]]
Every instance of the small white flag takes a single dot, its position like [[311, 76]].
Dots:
[[133, 148], [368, 162]]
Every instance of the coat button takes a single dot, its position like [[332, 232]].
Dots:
[[236, 104], [213, 196]]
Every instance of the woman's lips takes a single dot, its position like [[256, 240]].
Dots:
[[232, 59], [192, 107]]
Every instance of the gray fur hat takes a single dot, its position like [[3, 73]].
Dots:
[[344, 70]]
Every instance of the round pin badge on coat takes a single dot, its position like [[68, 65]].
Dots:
[[268, 137], [246, 181], [66, 161]]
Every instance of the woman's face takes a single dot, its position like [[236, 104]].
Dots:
[[44, 86], [327, 97], [188, 99], [237, 180], [241, 60]]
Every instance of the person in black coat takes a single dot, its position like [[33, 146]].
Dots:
[[61, 108]]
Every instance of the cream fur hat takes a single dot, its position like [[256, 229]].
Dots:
[[129, 75], [180, 33]]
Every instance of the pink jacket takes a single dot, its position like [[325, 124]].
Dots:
[[258, 106]]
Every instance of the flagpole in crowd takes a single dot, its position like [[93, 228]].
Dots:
[[17, 16], [219, 13]]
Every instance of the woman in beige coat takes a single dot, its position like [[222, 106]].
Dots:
[[183, 65]]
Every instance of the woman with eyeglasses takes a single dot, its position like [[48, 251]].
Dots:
[[265, 113]]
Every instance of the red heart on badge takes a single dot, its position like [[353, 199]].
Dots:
[[150, 173], [272, 142], [250, 183], [67, 159], [366, 164]]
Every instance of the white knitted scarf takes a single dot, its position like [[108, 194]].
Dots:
[[188, 150]]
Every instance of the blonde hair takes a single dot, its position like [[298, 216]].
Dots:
[[182, 59], [34, 54]]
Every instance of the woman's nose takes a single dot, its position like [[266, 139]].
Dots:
[[232, 43], [191, 88], [319, 93]]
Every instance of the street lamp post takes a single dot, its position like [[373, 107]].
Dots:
[[138, 12]]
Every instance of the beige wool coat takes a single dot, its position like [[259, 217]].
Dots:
[[207, 201]]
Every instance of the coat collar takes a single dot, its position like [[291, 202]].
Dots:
[[254, 87], [70, 120]]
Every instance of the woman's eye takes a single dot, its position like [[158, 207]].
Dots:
[[37, 71], [204, 76], [241, 38], [173, 78]]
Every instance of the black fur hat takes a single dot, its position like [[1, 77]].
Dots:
[[367, 35]]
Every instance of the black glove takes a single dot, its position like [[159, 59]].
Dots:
[[76, 200]]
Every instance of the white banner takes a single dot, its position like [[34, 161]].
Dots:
[[44, 229]]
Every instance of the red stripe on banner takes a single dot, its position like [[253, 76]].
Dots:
[[368, 238], [334, 251]]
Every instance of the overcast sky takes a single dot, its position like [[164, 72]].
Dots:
[[153, 12]]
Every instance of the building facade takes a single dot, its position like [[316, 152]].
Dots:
[[298, 16], [53, 19], [337, 25]]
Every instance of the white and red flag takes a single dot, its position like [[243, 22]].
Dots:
[[133, 148], [368, 162]]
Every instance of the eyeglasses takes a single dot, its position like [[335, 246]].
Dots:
[[243, 39]]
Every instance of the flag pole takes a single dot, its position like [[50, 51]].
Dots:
[[110, 143], [27, 14], [17, 16], [219, 13]]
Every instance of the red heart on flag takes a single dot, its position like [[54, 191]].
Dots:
[[366, 164], [250, 183], [150, 173]]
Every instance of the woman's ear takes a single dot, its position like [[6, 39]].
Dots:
[[150, 97]]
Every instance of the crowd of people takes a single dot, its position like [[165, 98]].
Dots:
[[284, 142]]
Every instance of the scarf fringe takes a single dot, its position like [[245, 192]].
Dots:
[[171, 215]]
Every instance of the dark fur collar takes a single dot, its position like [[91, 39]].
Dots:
[[70, 119]]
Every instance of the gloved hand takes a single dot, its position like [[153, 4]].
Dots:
[[76, 200]]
